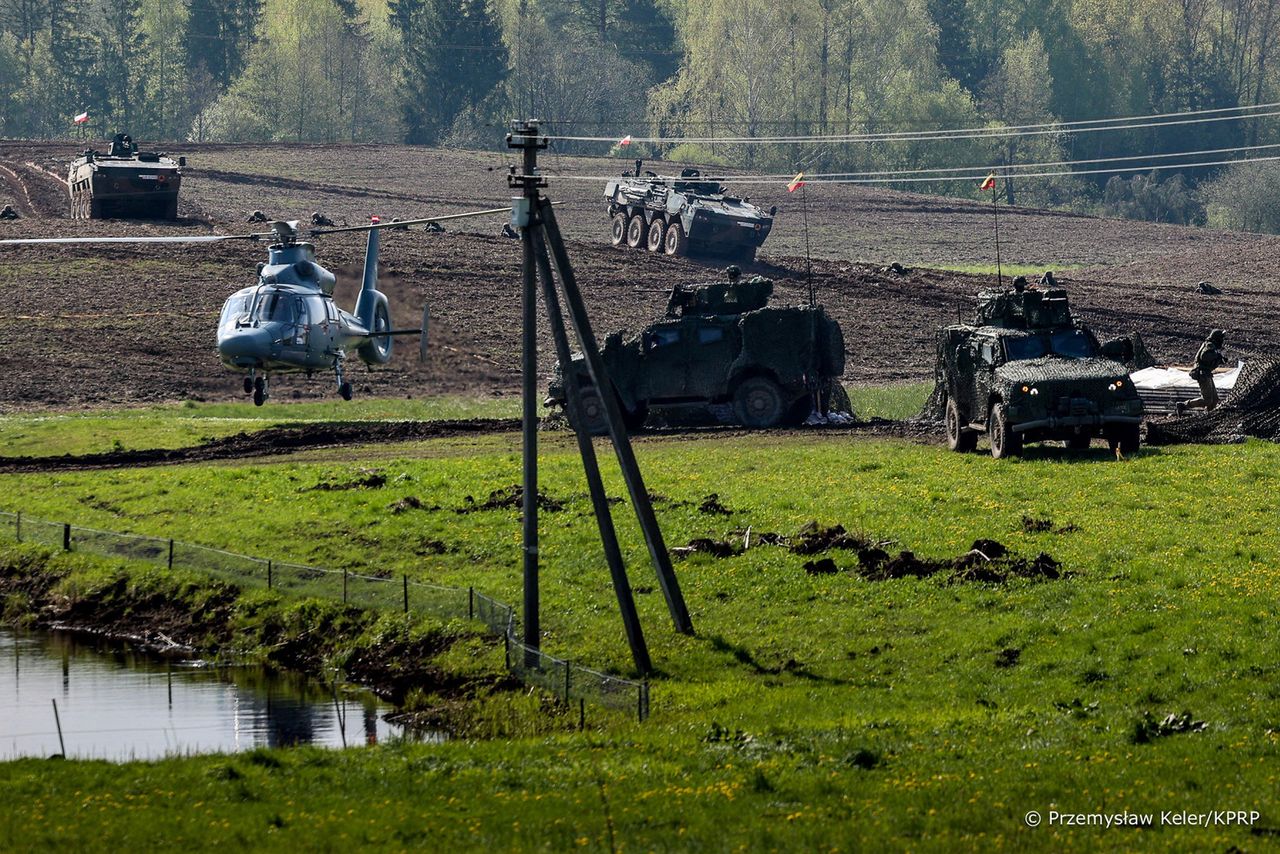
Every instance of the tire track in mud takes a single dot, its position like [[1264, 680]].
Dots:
[[293, 438], [273, 441], [17, 189]]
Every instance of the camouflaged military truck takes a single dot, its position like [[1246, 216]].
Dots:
[[124, 182], [1026, 371], [720, 343], [692, 216]]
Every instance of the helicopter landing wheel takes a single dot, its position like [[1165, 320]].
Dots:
[[260, 384], [248, 385], [259, 396], [344, 390]]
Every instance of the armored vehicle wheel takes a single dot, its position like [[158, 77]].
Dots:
[[1079, 441], [635, 231], [959, 438], [619, 235], [674, 242], [758, 402], [1004, 442], [592, 413], [1127, 438], [657, 229]]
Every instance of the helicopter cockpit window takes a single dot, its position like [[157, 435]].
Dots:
[[710, 334], [234, 308], [276, 306]]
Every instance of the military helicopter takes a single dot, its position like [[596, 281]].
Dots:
[[289, 322]]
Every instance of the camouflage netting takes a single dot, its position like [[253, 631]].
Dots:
[[1253, 411]]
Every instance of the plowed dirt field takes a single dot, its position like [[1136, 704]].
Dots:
[[96, 325]]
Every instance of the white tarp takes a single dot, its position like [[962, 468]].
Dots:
[[1168, 379]]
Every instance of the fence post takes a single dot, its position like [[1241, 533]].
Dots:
[[344, 585], [471, 603], [268, 575], [406, 593], [643, 701], [66, 536], [568, 668], [18, 527], [171, 554], [506, 649]]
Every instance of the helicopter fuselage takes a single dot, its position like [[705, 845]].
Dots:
[[289, 322]]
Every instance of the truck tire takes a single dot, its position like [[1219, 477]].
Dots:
[[959, 438], [593, 413], [1004, 442], [657, 230], [674, 242], [1127, 438], [759, 403], [619, 235], [635, 231]]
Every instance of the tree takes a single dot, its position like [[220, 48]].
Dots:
[[453, 57], [1018, 92]]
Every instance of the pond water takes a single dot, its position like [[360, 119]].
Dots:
[[120, 704]]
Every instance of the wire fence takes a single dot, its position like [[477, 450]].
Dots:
[[568, 681]]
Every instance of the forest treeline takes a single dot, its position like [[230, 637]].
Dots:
[[453, 72]]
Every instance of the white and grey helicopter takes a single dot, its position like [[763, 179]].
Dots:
[[289, 322]]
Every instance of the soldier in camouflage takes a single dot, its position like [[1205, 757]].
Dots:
[[7, 212], [1207, 360]]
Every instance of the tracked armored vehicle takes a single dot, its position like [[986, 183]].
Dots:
[[720, 343], [689, 216], [124, 183], [1026, 370]]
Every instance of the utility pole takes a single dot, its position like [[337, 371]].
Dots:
[[529, 182], [546, 259]]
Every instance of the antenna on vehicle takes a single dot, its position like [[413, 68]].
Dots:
[[798, 182], [989, 183]]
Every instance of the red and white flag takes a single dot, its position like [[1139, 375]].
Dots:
[[83, 118], [796, 183], [626, 140]]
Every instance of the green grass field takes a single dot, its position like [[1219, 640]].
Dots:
[[809, 710], [179, 425]]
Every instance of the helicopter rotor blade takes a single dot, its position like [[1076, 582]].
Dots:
[[407, 222], [195, 238]]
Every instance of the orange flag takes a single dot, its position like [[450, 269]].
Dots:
[[989, 183], [796, 183]]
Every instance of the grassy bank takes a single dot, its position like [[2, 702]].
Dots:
[[845, 710]]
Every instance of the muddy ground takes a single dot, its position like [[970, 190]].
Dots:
[[99, 325]]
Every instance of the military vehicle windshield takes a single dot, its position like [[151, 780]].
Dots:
[[1067, 343], [1072, 344]]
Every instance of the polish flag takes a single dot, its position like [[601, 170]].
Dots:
[[626, 140], [83, 118]]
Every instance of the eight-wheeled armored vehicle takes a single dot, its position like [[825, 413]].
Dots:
[[720, 343], [690, 216], [124, 183], [1026, 370]]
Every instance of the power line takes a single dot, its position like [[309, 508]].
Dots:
[[1047, 128], [944, 169], [975, 173]]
